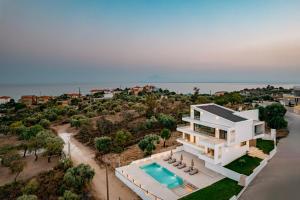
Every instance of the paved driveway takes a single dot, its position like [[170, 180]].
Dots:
[[280, 179]]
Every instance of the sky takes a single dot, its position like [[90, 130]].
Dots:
[[64, 41]]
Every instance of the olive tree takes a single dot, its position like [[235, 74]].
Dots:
[[165, 135], [54, 146], [103, 144], [147, 144], [121, 138], [77, 177]]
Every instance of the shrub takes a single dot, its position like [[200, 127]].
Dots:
[[105, 126], [147, 144], [65, 164], [45, 123], [103, 144], [68, 195], [277, 122], [274, 116], [31, 187], [121, 138], [167, 121], [77, 177], [27, 197], [151, 123]]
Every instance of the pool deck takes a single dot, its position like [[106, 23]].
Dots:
[[204, 178]]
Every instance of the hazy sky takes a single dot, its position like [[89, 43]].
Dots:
[[176, 40]]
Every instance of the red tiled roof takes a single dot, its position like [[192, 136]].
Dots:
[[4, 97]]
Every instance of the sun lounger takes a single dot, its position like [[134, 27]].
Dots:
[[167, 158], [194, 171], [181, 166], [188, 169], [172, 161], [177, 163]]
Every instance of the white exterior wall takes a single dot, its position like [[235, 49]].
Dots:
[[249, 114], [231, 153], [243, 131], [3, 101], [237, 132]]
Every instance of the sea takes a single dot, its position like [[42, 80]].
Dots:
[[17, 90]]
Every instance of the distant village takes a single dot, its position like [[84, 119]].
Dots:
[[289, 99], [94, 94]]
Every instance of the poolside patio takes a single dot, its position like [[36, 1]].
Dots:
[[203, 178]]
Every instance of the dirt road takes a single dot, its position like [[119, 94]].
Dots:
[[83, 154]]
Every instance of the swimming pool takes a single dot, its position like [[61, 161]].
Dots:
[[162, 175]]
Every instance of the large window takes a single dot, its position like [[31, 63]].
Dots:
[[258, 129], [223, 134], [204, 130], [187, 137], [210, 152], [197, 114]]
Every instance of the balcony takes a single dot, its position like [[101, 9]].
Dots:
[[204, 139], [196, 150], [188, 118]]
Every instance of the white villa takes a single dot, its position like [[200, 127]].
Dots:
[[219, 135], [213, 137]]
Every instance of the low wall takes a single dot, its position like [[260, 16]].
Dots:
[[250, 178], [272, 153], [145, 195], [166, 153], [224, 171]]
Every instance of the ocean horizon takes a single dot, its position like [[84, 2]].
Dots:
[[54, 89]]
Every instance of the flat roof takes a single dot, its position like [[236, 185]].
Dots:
[[222, 112]]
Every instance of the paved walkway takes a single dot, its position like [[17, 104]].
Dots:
[[280, 179], [83, 154]]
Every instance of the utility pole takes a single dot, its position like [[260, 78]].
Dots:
[[107, 189], [69, 147]]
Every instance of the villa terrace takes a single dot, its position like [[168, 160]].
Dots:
[[155, 190]]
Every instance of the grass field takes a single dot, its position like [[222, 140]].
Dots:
[[265, 145], [221, 190], [244, 165]]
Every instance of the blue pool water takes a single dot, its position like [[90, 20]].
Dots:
[[162, 175]]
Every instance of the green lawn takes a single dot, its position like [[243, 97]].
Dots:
[[244, 165], [265, 145], [221, 190]]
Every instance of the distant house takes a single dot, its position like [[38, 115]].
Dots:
[[74, 95], [149, 88], [137, 89], [29, 100], [43, 99], [63, 102], [292, 99], [220, 93], [103, 91], [107, 93], [4, 99]]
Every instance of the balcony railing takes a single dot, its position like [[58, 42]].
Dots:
[[147, 192], [191, 117]]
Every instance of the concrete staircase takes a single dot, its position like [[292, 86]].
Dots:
[[184, 189], [255, 152]]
